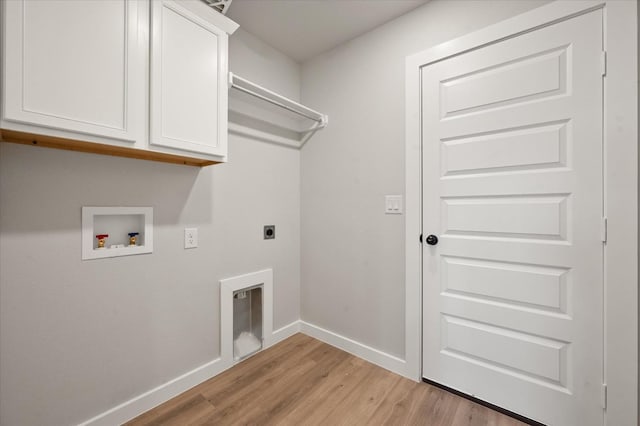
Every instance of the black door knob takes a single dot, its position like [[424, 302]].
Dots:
[[432, 240]]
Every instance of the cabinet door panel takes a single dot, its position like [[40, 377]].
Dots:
[[188, 81], [75, 65]]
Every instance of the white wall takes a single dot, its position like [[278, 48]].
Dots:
[[78, 338], [352, 253]]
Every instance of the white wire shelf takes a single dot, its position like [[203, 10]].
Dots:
[[243, 85]]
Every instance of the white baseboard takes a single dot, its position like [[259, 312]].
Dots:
[[375, 356], [154, 397], [284, 332], [150, 399]]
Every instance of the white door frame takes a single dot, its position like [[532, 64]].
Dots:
[[620, 189]]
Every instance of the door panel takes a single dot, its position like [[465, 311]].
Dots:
[[512, 185], [188, 81], [529, 356], [542, 217], [532, 148], [502, 84], [533, 286], [75, 65]]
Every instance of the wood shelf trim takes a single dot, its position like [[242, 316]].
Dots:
[[33, 139]]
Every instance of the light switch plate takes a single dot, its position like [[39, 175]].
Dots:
[[393, 204], [190, 238]]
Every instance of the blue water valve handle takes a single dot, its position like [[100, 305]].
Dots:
[[132, 238]]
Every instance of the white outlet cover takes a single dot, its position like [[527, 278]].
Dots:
[[190, 238]]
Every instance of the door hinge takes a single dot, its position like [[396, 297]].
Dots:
[[603, 230], [603, 63], [603, 396]]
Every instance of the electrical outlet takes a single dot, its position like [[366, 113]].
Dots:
[[190, 238], [269, 232]]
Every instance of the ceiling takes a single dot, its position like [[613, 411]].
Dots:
[[302, 29]]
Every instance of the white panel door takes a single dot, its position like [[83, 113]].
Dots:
[[188, 81], [512, 169], [75, 65]]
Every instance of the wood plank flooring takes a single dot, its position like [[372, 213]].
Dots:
[[302, 381]]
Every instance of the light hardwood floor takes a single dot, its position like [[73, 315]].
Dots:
[[302, 381]]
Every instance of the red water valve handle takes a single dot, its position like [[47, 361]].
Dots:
[[102, 236]]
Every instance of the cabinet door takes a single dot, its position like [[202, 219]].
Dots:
[[188, 100], [75, 65]]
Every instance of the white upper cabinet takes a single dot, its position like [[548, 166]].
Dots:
[[105, 75], [75, 66], [188, 81]]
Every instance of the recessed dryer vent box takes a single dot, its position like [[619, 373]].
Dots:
[[125, 231], [246, 315]]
